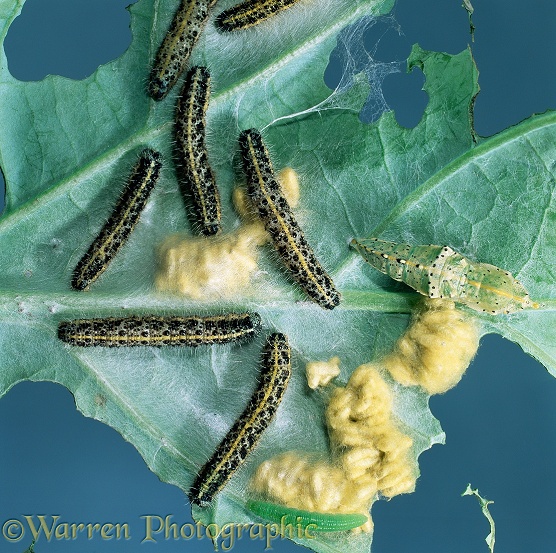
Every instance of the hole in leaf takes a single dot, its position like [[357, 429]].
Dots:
[[512, 51], [404, 94], [66, 37], [386, 42], [377, 47]]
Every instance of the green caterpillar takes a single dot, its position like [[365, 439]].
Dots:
[[320, 522], [441, 272]]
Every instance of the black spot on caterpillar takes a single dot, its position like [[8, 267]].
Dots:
[[173, 54], [441, 272], [160, 331], [117, 229], [248, 429], [198, 177], [249, 13], [274, 210]]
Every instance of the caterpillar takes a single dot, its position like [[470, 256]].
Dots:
[[273, 209], [249, 13], [173, 54], [160, 331], [441, 272], [117, 229], [248, 429], [320, 522], [190, 136]]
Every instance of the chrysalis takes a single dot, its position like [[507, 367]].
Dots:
[[440, 272]]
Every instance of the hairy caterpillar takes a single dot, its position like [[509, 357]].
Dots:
[[160, 331], [173, 54], [249, 13], [190, 135], [248, 429], [320, 522], [272, 207], [117, 229], [440, 272]]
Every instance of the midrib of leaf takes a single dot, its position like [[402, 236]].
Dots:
[[490, 145], [384, 302], [103, 301]]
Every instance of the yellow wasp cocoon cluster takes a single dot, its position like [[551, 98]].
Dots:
[[370, 455], [436, 348]]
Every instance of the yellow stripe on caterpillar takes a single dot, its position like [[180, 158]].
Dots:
[[196, 175], [121, 222], [273, 209], [172, 56]]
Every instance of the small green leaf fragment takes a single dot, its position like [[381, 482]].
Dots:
[[490, 539], [468, 7], [31, 548]]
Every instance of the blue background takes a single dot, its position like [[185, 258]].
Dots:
[[500, 419]]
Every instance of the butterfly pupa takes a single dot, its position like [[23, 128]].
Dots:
[[441, 272], [318, 522]]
